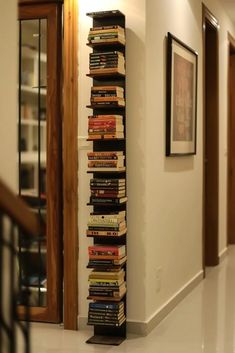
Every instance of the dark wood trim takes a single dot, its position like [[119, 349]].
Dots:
[[211, 246], [230, 139], [231, 41], [53, 13], [38, 2], [18, 211], [39, 314], [70, 163], [54, 161]]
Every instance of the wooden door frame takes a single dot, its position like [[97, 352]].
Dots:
[[231, 44], [52, 312], [70, 164], [70, 158], [209, 18]]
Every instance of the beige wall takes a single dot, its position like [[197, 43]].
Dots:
[[174, 185], [175, 217], [165, 194], [8, 92]]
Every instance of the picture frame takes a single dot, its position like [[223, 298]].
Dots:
[[181, 98]]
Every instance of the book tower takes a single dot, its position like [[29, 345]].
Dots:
[[107, 163]]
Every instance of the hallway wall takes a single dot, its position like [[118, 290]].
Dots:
[[174, 185], [8, 92], [164, 194]]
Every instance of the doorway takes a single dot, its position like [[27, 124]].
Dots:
[[211, 140], [231, 142]]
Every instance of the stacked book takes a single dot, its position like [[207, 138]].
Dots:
[[108, 191], [108, 314], [110, 96], [110, 62], [110, 285], [106, 34], [112, 224], [105, 127], [110, 161]]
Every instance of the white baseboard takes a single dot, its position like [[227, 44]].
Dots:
[[143, 328], [223, 254]]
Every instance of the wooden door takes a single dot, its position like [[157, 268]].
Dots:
[[211, 140], [40, 153], [231, 144]]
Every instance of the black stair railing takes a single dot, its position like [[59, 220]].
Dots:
[[16, 221]]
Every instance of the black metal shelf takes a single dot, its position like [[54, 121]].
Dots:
[[105, 139], [101, 45], [107, 171], [105, 14], [111, 325], [99, 267], [108, 334], [105, 106], [107, 76], [106, 204], [105, 237]]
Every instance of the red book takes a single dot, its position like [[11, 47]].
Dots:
[[106, 123], [118, 250]]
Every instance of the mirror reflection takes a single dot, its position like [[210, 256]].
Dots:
[[32, 136]]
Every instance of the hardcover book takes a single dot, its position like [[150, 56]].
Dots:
[[107, 28], [103, 305], [106, 262], [105, 155], [106, 136], [107, 275], [117, 200]]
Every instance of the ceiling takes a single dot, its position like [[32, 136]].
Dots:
[[229, 6]]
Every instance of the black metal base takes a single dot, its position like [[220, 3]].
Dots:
[[107, 340]]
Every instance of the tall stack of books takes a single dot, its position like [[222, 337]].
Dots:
[[106, 34], [107, 223], [110, 96], [109, 314], [105, 127], [102, 224], [108, 191], [110, 285], [110, 62]]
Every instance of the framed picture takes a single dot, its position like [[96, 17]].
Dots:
[[181, 99]]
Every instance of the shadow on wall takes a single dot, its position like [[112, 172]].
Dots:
[[179, 164], [136, 182]]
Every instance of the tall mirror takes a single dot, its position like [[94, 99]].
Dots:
[[32, 149], [40, 156]]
